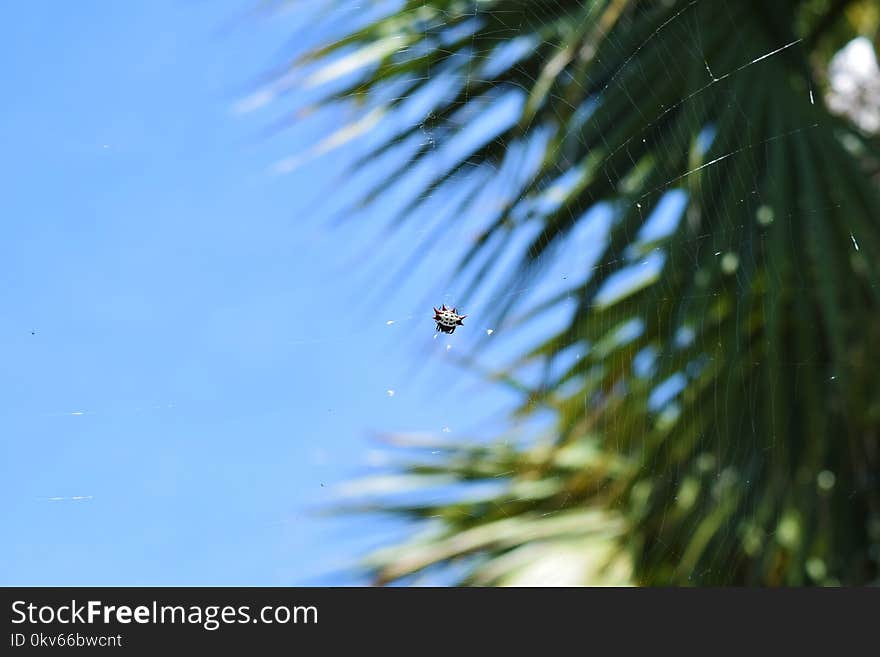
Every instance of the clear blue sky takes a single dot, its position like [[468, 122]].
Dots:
[[185, 341]]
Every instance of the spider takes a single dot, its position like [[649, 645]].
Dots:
[[447, 319]]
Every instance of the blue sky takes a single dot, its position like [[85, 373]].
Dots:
[[187, 345]]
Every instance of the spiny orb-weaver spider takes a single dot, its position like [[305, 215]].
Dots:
[[447, 319]]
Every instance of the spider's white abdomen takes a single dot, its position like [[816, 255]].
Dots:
[[447, 319]]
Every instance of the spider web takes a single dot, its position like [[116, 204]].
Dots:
[[410, 238]]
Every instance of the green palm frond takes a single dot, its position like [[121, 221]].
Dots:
[[764, 466]]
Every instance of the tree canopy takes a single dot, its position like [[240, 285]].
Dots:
[[722, 425]]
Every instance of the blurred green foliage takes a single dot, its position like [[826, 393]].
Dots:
[[763, 469]]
